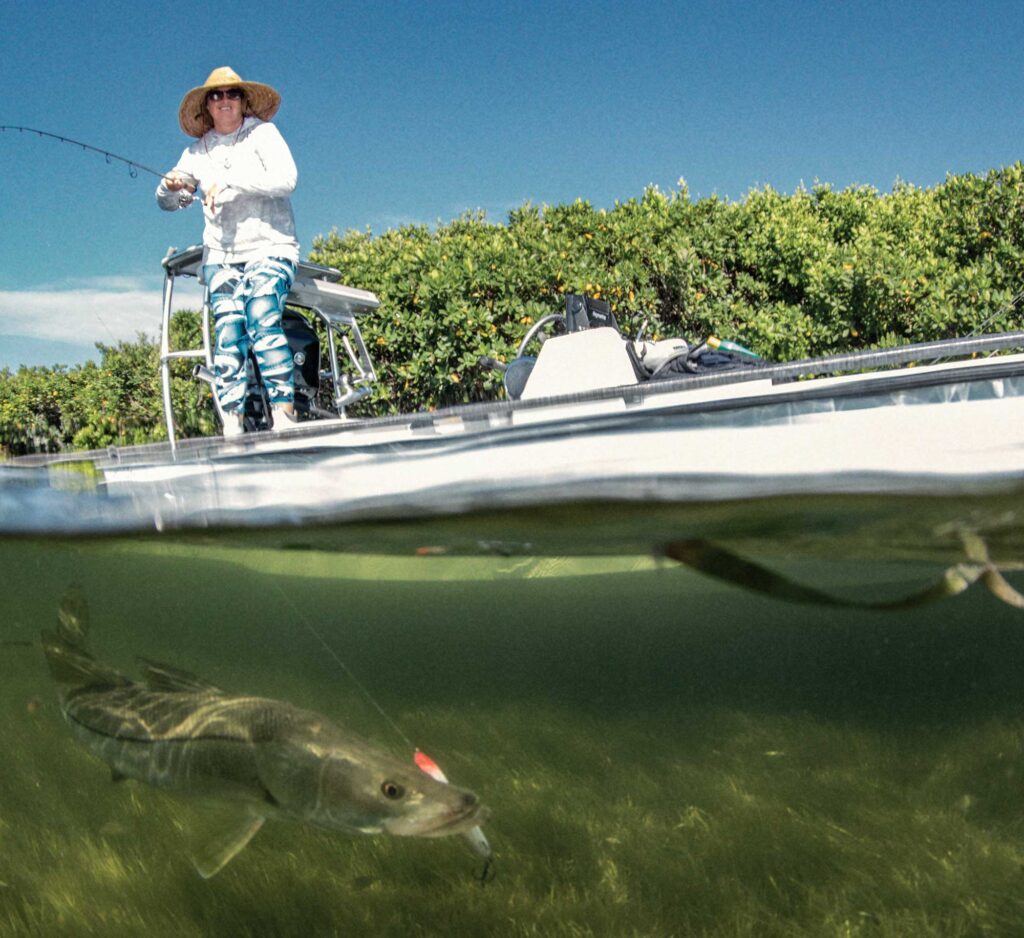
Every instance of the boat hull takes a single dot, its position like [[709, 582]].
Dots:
[[930, 430]]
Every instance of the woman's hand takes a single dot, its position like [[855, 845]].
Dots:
[[176, 181], [210, 196]]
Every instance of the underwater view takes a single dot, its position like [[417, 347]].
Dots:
[[767, 717]]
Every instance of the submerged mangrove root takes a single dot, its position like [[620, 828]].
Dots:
[[712, 560]]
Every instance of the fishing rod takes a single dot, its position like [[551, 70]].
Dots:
[[133, 165]]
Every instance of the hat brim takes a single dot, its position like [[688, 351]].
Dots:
[[195, 120]]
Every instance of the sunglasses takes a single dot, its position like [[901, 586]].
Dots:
[[235, 94]]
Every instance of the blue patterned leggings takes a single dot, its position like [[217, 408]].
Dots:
[[247, 301]]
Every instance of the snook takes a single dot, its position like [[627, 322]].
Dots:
[[266, 756]]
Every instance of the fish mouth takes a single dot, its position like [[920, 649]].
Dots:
[[450, 822], [464, 820]]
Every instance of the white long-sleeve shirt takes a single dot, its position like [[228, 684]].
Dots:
[[253, 213]]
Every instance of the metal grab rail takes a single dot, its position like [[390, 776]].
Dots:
[[337, 307], [316, 290]]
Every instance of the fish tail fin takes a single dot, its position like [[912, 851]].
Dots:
[[71, 666]]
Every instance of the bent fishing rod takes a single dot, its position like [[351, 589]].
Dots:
[[133, 165]]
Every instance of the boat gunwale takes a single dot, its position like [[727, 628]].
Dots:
[[648, 399]]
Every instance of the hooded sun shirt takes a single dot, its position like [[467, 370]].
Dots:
[[253, 215]]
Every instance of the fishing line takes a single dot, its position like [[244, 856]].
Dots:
[[1000, 312], [985, 323], [475, 837], [344, 667]]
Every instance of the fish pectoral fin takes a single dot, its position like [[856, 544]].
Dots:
[[218, 844], [116, 776], [164, 677]]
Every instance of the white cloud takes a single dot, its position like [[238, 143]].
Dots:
[[104, 310], [115, 282]]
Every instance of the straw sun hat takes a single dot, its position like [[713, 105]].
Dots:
[[263, 101]]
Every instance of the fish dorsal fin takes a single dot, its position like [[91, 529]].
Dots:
[[163, 677], [73, 618], [73, 668], [225, 834]]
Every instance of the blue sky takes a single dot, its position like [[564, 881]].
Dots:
[[402, 112]]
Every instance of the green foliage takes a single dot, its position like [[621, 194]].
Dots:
[[813, 273], [117, 402]]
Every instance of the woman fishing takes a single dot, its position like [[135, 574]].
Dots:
[[246, 173]]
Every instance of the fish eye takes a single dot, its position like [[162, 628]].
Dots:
[[392, 790]]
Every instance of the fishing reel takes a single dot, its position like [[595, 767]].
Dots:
[[187, 195]]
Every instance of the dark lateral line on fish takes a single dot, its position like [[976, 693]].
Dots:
[[157, 739], [17, 643]]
